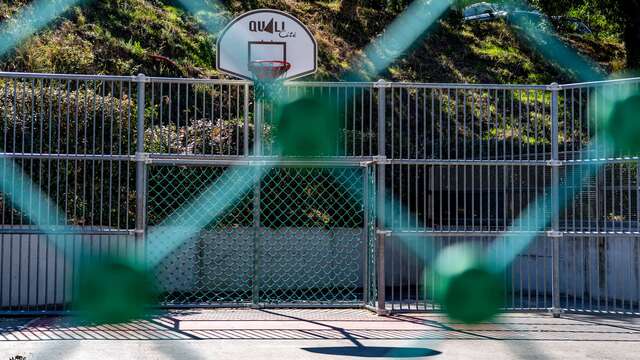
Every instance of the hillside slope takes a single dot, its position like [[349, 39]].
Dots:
[[157, 37]]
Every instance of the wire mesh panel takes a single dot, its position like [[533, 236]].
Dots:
[[294, 235], [216, 265], [312, 235]]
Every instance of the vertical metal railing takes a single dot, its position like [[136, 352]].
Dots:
[[381, 233]]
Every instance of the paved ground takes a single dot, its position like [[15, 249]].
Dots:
[[321, 334]]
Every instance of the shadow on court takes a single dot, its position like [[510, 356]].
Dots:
[[374, 351]]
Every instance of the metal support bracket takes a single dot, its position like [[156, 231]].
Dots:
[[554, 86], [142, 157], [555, 163], [140, 78], [382, 84], [556, 313], [383, 312], [381, 159], [383, 232], [554, 234]]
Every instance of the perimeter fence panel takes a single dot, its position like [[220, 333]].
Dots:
[[599, 255], [65, 147], [412, 169], [465, 161]]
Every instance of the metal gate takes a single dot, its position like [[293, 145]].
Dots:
[[289, 235]]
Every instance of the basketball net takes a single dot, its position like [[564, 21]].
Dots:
[[268, 77]]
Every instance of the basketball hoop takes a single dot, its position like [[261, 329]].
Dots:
[[266, 46], [269, 69]]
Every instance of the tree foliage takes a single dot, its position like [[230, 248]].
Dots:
[[625, 13]]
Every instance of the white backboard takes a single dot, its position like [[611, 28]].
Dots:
[[266, 35]]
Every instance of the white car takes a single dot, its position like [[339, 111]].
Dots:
[[483, 12]]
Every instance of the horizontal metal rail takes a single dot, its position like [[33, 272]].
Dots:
[[19, 75], [445, 86], [262, 161], [67, 156], [258, 160], [436, 162], [471, 233], [599, 83], [166, 80], [54, 231]]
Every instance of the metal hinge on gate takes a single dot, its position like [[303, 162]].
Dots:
[[381, 159], [143, 157]]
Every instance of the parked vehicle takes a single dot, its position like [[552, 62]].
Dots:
[[571, 25], [483, 12]]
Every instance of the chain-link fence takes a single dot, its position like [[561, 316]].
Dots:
[[296, 235], [206, 184]]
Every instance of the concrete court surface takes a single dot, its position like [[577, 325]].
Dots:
[[321, 334]]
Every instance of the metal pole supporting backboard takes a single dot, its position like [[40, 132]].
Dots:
[[257, 151], [141, 169]]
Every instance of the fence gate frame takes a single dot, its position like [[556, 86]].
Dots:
[[361, 169]]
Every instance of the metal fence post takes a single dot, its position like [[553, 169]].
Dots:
[[554, 234], [381, 234], [257, 151], [365, 235], [141, 169]]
